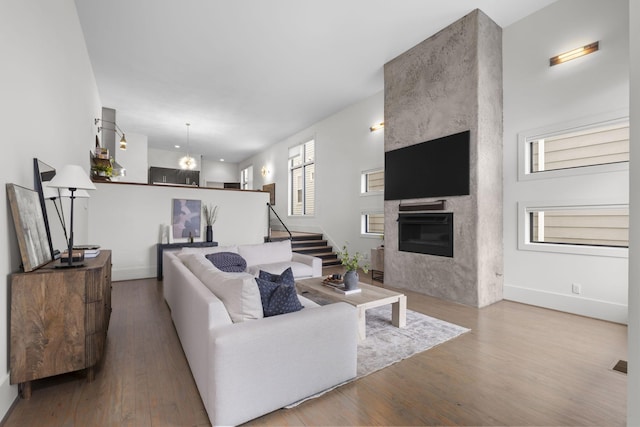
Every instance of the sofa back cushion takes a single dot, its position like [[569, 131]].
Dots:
[[266, 253], [210, 250], [197, 263], [238, 291]]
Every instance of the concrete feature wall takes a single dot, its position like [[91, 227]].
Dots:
[[450, 83]]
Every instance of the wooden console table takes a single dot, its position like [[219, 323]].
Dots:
[[160, 247], [59, 320]]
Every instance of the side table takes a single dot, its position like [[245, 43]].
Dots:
[[160, 247], [377, 264]]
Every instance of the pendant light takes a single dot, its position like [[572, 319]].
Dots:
[[188, 162]]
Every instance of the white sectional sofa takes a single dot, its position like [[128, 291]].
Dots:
[[273, 257], [245, 365]]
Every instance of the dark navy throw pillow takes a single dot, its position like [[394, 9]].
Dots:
[[285, 277], [278, 298], [230, 262]]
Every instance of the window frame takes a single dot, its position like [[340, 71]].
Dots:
[[363, 182], [363, 224], [302, 166], [249, 178], [524, 228], [526, 137]]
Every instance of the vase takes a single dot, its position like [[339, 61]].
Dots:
[[351, 279], [209, 231]]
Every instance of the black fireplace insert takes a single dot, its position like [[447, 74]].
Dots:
[[426, 233]]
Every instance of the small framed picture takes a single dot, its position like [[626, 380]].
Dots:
[[186, 217]]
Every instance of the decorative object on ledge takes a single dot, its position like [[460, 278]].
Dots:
[[116, 129], [188, 162], [437, 205], [73, 178], [210, 216], [573, 54]]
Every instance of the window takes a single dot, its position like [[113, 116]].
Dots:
[[576, 147], [246, 178], [373, 224], [597, 229], [302, 179], [372, 182]]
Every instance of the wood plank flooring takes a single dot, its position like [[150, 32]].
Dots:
[[520, 365]]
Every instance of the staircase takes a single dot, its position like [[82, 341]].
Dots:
[[311, 244]]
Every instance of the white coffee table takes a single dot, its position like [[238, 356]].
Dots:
[[369, 297]]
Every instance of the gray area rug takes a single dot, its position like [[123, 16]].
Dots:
[[385, 344]]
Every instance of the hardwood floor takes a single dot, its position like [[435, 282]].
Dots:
[[520, 365]]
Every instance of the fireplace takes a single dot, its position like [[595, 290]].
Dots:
[[426, 233]]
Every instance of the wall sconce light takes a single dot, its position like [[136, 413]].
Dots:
[[376, 126], [573, 54], [264, 171], [116, 129]]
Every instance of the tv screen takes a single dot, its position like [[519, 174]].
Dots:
[[435, 168]]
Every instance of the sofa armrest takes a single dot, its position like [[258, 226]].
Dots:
[[313, 261], [260, 366]]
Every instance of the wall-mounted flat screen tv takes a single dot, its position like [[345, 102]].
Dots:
[[435, 168]]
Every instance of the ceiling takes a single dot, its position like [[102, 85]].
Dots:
[[246, 74]]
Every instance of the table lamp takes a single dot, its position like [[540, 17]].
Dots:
[[72, 178]]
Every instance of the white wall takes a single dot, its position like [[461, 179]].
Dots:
[[127, 219], [216, 171], [344, 148], [134, 159], [48, 103], [633, 394], [536, 96]]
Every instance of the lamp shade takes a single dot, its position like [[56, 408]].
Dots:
[[51, 193], [72, 176]]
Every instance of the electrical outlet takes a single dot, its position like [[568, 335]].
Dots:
[[576, 288]]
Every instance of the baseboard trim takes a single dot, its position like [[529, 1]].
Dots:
[[598, 309], [8, 398], [118, 274]]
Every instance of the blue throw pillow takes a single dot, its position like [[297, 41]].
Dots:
[[229, 262], [286, 277], [278, 297]]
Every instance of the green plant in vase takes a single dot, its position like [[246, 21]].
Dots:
[[351, 264]]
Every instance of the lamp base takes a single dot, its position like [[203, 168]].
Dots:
[[65, 264]]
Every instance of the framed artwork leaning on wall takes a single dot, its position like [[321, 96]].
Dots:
[[29, 223]]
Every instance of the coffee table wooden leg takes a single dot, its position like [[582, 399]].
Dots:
[[362, 324], [399, 312]]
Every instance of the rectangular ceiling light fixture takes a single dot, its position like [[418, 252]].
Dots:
[[573, 54]]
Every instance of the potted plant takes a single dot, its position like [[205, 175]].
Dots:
[[210, 216], [104, 170], [352, 263]]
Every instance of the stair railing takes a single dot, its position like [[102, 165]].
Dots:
[[277, 216]]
